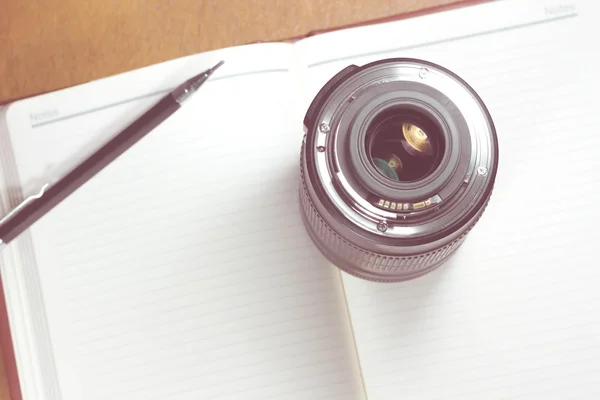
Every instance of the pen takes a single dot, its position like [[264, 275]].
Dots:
[[36, 206]]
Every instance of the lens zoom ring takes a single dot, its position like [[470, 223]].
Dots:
[[362, 263]]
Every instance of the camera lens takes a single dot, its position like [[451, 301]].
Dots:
[[397, 166]]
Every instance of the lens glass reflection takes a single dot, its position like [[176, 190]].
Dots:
[[403, 146]]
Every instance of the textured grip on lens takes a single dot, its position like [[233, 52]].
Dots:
[[362, 263]]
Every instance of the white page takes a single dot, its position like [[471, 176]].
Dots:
[[182, 270], [515, 312]]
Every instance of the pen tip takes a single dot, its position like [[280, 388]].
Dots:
[[213, 69]]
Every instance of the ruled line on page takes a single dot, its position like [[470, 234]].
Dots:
[[148, 95]]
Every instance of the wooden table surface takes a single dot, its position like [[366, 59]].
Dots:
[[52, 44]]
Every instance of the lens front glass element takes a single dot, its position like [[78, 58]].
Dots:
[[404, 145]]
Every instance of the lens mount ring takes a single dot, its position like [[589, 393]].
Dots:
[[457, 201]]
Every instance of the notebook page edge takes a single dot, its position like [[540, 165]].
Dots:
[[19, 329]]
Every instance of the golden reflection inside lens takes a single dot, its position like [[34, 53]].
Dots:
[[416, 138]]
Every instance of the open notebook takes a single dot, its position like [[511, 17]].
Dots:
[[183, 270]]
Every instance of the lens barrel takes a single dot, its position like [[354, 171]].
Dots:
[[398, 163]]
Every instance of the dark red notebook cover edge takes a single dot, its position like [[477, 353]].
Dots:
[[10, 361], [391, 18]]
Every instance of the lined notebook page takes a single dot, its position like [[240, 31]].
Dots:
[[514, 315], [182, 271]]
